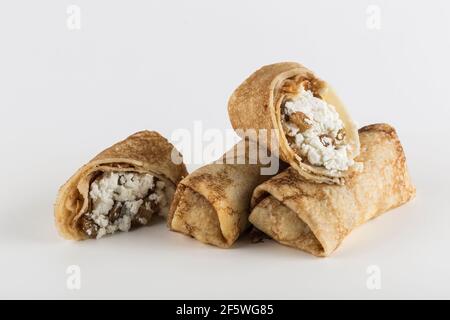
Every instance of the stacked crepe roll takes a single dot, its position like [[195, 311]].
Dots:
[[309, 124], [318, 201], [337, 179]]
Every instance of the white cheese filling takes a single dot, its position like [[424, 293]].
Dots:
[[319, 143], [127, 188]]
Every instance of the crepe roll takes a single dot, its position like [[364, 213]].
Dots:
[[120, 189], [310, 127], [316, 217], [212, 204]]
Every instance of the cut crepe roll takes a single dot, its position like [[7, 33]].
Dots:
[[317, 217], [312, 129], [120, 189], [212, 204]]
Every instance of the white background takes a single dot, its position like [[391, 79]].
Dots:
[[161, 65]]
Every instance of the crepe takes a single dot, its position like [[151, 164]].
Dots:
[[212, 204], [143, 154], [257, 105], [316, 217]]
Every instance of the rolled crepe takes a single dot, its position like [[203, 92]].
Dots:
[[121, 188], [212, 204], [316, 218], [304, 118]]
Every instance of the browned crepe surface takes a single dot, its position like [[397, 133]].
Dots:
[[317, 217], [256, 104], [212, 204], [142, 152]]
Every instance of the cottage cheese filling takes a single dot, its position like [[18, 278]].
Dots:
[[316, 132], [121, 200]]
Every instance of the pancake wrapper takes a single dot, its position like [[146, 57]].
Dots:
[[212, 204], [316, 217], [143, 152], [256, 104]]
